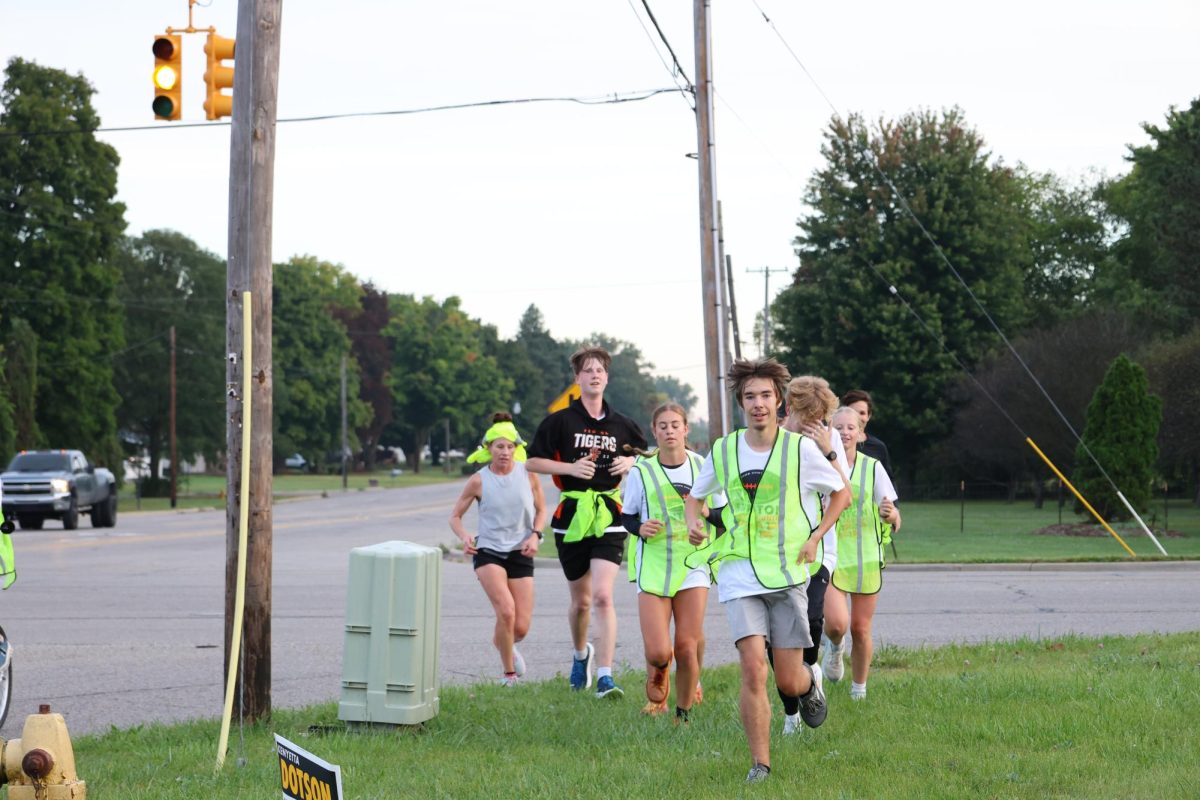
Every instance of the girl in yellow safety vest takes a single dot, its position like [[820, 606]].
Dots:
[[859, 573], [670, 584]]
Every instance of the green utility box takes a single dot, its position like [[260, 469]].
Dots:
[[390, 658]]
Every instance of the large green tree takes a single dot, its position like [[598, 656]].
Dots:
[[549, 371], [373, 352], [167, 280], [60, 227], [1157, 265], [1121, 433], [21, 371], [441, 371], [1172, 367], [837, 318], [309, 344]]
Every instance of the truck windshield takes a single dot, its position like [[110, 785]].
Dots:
[[40, 462]]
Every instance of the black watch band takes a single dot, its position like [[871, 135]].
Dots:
[[831, 455]]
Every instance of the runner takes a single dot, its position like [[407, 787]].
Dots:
[[672, 582], [580, 447], [512, 512], [860, 563], [873, 446], [810, 407], [774, 525]]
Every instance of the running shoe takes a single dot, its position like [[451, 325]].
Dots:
[[518, 663], [835, 666], [658, 685], [605, 687], [699, 698], [652, 709], [581, 669], [759, 772], [791, 724], [509, 680], [858, 694], [812, 705]]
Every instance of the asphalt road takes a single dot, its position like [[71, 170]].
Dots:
[[123, 626]]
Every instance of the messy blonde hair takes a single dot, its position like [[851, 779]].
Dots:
[[810, 398]]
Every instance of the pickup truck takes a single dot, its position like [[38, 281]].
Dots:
[[58, 484]]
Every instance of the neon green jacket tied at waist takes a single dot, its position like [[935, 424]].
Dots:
[[771, 530], [592, 515], [860, 534], [664, 562]]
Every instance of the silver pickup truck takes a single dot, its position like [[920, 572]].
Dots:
[[58, 484]]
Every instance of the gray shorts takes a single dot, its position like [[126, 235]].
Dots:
[[782, 617]]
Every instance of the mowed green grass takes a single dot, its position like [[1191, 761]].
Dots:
[[1064, 718], [994, 531], [982, 530]]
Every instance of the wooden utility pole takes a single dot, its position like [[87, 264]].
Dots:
[[171, 415], [766, 313], [251, 179], [737, 335], [714, 328]]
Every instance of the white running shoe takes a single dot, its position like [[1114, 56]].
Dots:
[[518, 663], [835, 667], [791, 724]]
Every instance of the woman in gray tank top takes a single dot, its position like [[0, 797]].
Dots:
[[512, 513]]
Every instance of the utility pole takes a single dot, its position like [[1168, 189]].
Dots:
[[714, 328], [251, 179], [171, 415], [345, 433], [737, 336], [766, 315]]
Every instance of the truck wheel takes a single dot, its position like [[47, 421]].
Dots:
[[30, 523], [104, 513], [71, 516]]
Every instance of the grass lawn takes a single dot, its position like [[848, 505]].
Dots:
[[203, 491], [1068, 718], [995, 531]]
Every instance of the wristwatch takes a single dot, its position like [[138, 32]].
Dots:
[[831, 455], [541, 536]]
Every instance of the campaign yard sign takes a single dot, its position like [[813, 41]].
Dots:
[[303, 776]]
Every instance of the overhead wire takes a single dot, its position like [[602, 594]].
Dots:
[[872, 159], [594, 100], [675, 72]]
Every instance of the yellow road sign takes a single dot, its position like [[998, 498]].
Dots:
[[572, 392]]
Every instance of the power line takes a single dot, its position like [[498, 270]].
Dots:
[[595, 100], [677, 71]]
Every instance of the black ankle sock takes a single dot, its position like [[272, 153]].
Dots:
[[682, 713]]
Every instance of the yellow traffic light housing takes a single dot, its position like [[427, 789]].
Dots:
[[217, 77], [168, 76]]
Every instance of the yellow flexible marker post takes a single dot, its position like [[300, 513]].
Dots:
[[239, 603], [1075, 491]]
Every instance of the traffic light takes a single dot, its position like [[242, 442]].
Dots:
[[168, 76], [218, 77]]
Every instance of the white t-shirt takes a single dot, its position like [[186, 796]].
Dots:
[[817, 477], [633, 501]]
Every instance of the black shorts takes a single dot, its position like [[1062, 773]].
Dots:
[[515, 565], [816, 595], [576, 557]]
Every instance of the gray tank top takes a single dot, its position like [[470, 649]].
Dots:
[[505, 509]]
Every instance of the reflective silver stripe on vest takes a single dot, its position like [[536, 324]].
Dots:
[[783, 493], [662, 504], [862, 499]]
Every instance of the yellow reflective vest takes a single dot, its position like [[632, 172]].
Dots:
[[860, 534], [771, 529], [664, 558]]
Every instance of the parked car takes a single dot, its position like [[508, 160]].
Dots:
[[295, 461], [58, 484]]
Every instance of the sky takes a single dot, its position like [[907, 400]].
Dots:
[[591, 212]]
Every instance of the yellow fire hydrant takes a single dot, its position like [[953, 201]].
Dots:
[[41, 764]]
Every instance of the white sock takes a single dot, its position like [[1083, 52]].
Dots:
[[602, 671], [858, 689], [580, 655]]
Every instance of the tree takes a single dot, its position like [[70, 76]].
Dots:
[[1158, 253], [837, 319], [441, 370], [1069, 358], [1121, 432], [373, 352], [1172, 367], [60, 226], [21, 371], [309, 344], [671, 388], [551, 368], [167, 280], [7, 425]]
